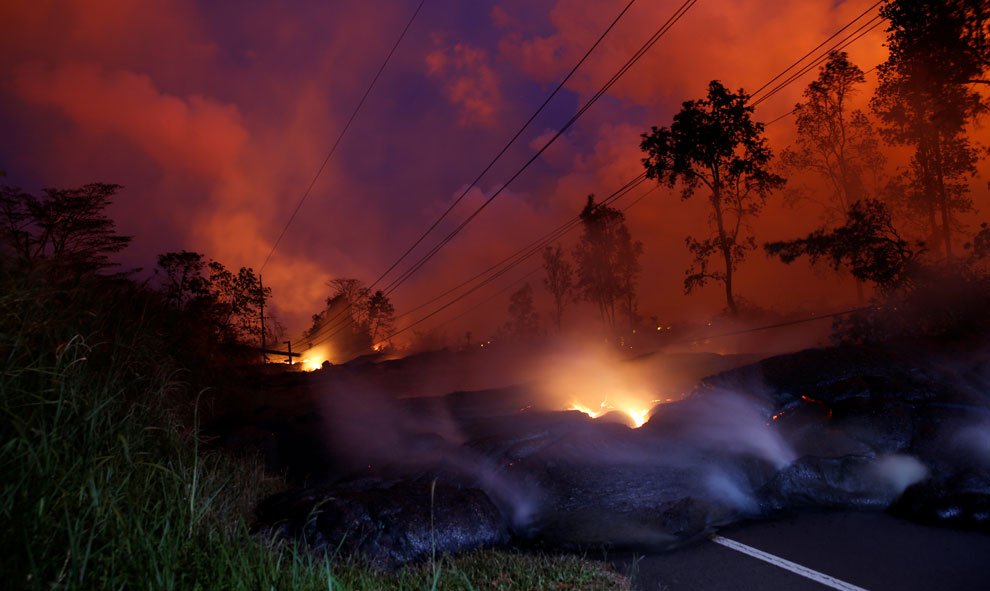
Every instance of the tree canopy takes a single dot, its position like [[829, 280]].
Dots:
[[834, 141], [868, 245], [607, 261], [66, 231], [926, 97], [713, 143], [229, 303]]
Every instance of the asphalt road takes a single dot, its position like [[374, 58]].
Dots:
[[873, 551]]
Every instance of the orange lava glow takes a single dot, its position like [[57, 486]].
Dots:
[[636, 415], [598, 381]]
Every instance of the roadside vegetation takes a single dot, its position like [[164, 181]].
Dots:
[[106, 484]]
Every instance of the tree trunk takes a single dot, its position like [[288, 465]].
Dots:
[[927, 181], [730, 301], [723, 240], [943, 200]]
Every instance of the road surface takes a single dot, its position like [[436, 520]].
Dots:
[[850, 550]]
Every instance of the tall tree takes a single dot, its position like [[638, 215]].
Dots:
[[834, 141], [524, 322], [607, 259], [559, 280], [714, 143], [344, 321], [627, 270], [926, 97], [381, 317]]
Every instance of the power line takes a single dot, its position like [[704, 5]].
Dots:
[[507, 144], [678, 14], [855, 35], [772, 326], [489, 280], [492, 162], [817, 47], [538, 244], [329, 331], [340, 136], [792, 111], [532, 271]]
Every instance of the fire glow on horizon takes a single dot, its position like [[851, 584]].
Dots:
[[313, 359]]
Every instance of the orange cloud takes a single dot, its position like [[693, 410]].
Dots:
[[201, 135], [741, 43], [470, 82]]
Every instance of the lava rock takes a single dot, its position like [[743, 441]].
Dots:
[[832, 375], [961, 501], [847, 482]]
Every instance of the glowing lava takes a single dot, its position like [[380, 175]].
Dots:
[[597, 380], [637, 415]]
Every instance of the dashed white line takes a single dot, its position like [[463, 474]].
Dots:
[[787, 565]]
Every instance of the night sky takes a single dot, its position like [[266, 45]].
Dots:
[[215, 117]]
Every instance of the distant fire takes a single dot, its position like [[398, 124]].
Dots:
[[312, 359]]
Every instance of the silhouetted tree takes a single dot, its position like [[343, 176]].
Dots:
[[834, 141], [714, 143], [925, 98], [868, 245], [381, 316], [67, 231], [980, 245], [344, 322], [524, 322], [183, 279], [559, 280], [236, 302], [228, 303], [607, 259], [627, 271]]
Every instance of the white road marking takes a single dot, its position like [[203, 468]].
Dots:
[[787, 565]]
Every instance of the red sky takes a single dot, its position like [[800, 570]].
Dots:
[[216, 118]]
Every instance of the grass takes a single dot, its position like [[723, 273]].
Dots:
[[105, 487]]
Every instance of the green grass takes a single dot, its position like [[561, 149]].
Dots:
[[105, 487]]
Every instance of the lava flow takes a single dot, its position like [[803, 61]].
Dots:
[[597, 381], [637, 415]]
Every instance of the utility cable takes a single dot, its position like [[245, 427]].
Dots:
[[529, 250], [340, 136], [343, 312], [678, 14], [486, 282], [817, 47]]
